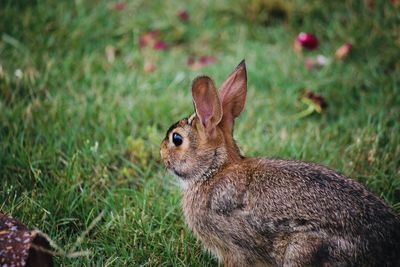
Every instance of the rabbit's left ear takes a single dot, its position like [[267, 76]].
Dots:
[[233, 96], [207, 104]]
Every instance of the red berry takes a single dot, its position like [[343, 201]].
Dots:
[[183, 15], [307, 40]]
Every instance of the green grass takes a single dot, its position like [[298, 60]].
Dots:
[[80, 135]]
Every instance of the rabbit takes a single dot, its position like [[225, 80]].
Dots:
[[270, 212]]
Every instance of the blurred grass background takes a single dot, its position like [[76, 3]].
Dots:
[[82, 114]]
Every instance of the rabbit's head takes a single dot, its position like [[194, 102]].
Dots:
[[198, 146]]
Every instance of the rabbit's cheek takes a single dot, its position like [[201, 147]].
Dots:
[[162, 154], [164, 150]]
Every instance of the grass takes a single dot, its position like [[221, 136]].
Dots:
[[80, 132]]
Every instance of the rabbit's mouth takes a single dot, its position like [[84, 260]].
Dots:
[[173, 169], [177, 173]]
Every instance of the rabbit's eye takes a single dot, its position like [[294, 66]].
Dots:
[[177, 139]]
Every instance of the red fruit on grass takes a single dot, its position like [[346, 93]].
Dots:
[[307, 40], [183, 15], [152, 39], [198, 63], [191, 61], [370, 4], [120, 6], [207, 60], [160, 45], [149, 38], [343, 51]]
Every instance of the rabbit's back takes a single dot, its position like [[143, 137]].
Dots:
[[264, 210], [313, 193]]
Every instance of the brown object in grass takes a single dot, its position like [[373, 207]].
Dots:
[[20, 246], [317, 100], [343, 51]]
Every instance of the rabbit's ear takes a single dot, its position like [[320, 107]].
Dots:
[[233, 95], [207, 104]]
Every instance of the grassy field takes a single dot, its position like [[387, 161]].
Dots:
[[83, 110]]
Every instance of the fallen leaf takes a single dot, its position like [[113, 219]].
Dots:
[[110, 53], [198, 63], [297, 47], [309, 63], [149, 38], [343, 51], [18, 74], [191, 61], [317, 101], [370, 4], [322, 60], [183, 15], [119, 6], [149, 66]]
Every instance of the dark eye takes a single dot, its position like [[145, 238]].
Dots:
[[177, 139]]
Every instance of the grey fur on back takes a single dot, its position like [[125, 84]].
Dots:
[[264, 207]]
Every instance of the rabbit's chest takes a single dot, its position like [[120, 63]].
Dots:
[[206, 225], [195, 210]]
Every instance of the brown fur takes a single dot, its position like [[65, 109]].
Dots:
[[271, 212]]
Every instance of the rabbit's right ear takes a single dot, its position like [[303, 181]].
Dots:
[[233, 96], [207, 104]]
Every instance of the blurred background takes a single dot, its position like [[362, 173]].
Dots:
[[89, 88]]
